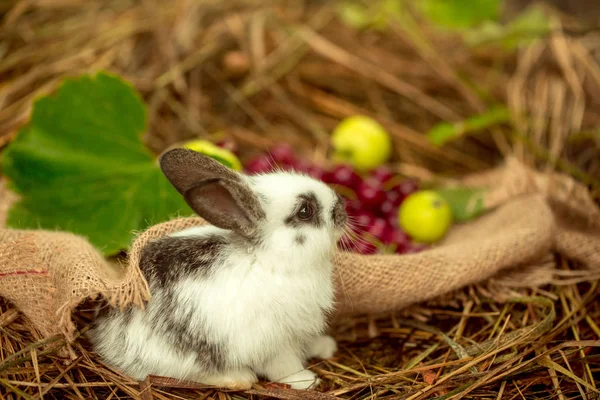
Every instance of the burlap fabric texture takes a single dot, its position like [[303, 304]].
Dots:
[[532, 216]]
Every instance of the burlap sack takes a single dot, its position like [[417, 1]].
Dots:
[[46, 274]]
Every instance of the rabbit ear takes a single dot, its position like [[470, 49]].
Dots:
[[215, 192]]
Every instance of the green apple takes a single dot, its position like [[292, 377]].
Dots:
[[220, 154], [362, 142], [425, 216]]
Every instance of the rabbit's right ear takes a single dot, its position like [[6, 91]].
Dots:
[[215, 192]]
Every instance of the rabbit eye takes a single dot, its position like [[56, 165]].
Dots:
[[306, 211]]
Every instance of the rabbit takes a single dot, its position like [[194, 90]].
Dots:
[[245, 296]]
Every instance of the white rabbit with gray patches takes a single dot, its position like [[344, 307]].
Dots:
[[246, 296]]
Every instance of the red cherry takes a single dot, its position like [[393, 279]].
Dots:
[[398, 237], [377, 228], [401, 250], [345, 243], [259, 165], [283, 154], [392, 220], [362, 247], [300, 165], [387, 208], [353, 207], [358, 245], [382, 174], [394, 197], [414, 248], [344, 175], [364, 220], [406, 188], [316, 172], [370, 194]]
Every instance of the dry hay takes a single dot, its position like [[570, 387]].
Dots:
[[288, 71]]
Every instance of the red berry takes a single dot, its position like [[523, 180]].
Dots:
[[398, 237], [400, 250], [345, 243], [394, 197], [353, 207], [316, 172], [406, 188], [300, 165], [377, 228], [371, 195], [357, 245], [414, 248], [343, 175], [364, 220], [362, 247], [392, 220], [387, 208], [260, 164], [283, 154], [382, 174]]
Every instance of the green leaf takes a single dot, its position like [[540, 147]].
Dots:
[[487, 32], [528, 26], [446, 131], [354, 15], [388, 11], [465, 203], [459, 14], [80, 165], [377, 15]]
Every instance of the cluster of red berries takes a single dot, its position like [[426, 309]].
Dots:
[[372, 200]]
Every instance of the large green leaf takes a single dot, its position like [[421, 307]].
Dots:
[[80, 165]]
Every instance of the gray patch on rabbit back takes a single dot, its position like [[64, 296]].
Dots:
[[112, 316], [166, 260], [165, 317], [185, 339]]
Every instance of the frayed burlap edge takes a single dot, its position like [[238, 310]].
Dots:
[[66, 267], [514, 179]]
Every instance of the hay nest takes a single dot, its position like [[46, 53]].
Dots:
[[263, 72]]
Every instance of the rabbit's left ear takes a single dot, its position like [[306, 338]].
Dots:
[[215, 192]]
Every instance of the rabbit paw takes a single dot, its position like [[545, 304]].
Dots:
[[235, 380], [302, 380], [288, 368], [322, 347]]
